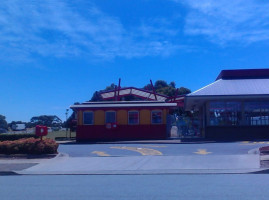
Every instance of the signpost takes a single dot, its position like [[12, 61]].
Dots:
[[41, 131]]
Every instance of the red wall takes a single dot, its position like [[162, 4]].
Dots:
[[122, 132]]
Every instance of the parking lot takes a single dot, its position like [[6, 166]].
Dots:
[[160, 148]]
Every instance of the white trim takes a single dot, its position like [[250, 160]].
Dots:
[[124, 105], [92, 117], [161, 116], [204, 87], [138, 117]]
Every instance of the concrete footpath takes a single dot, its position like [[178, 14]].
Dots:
[[63, 164]]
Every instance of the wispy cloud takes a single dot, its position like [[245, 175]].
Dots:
[[60, 29], [222, 21]]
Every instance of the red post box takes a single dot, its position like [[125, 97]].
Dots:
[[41, 130]]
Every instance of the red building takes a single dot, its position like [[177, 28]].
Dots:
[[122, 120]]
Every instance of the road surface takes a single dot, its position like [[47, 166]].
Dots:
[[97, 187], [165, 149]]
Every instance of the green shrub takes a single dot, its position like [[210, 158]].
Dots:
[[29, 146], [11, 137]]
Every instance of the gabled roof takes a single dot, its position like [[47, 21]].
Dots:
[[234, 87], [237, 82], [144, 94]]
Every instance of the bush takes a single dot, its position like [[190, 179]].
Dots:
[[9, 137], [29, 146]]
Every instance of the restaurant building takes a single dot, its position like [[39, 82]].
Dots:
[[122, 120], [235, 106]]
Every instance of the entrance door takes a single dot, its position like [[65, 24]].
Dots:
[[188, 127], [183, 126], [172, 130]]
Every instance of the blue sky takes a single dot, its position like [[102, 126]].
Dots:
[[57, 52]]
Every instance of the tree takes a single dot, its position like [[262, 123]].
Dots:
[[96, 97], [183, 90], [172, 84], [3, 122], [160, 86], [46, 120]]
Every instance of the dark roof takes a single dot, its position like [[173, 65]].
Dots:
[[244, 74]]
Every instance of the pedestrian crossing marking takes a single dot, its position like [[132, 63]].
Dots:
[[253, 143]]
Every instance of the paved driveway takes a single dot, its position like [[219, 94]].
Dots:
[[160, 149]]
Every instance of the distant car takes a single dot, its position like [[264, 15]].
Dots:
[[55, 128], [3, 130], [18, 127]]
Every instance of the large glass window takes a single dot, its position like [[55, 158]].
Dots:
[[156, 117], [257, 113], [224, 113], [88, 118], [110, 117], [133, 117]]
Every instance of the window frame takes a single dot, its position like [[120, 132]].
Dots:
[[138, 120], [229, 117], [112, 111], [84, 117], [262, 120], [151, 115]]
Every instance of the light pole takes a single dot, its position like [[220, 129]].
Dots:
[[66, 115]]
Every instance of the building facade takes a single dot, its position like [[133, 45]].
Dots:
[[235, 106], [122, 120]]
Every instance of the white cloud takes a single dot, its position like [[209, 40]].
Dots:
[[59, 29], [222, 21]]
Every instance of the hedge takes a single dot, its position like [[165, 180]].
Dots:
[[11, 137], [29, 146]]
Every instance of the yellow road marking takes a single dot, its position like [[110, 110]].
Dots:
[[202, 152], [143, 151], [100, 153], [148, 145], [252, 143]]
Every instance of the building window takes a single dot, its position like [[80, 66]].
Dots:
[[224, 113], [110, 117], [257, 113], [133, 117], [156, 117], [88, 118]]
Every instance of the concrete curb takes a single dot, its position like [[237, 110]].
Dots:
[[27, 156], [150, 172], [254, 151], [8, 173], [264, 157]]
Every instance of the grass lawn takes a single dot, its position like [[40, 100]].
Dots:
[[60, 135]]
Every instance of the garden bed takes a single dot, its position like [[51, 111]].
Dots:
[[29, 146]]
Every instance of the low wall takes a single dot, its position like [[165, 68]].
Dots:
[[237, 133], [122, 132]]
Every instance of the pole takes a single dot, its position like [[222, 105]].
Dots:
[[153, 89], [66, 115]]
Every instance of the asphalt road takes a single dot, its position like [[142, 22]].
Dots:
[[166, 149], [243, 186]]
